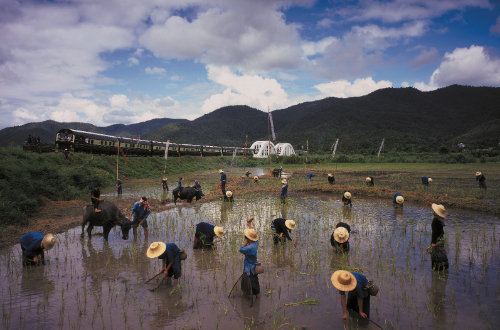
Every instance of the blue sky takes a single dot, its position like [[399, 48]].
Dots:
[[127, 61]]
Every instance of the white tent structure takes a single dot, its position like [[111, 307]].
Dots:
[[261, 149]]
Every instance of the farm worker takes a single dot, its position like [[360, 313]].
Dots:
[[331, 178], [280, 170], [95, 197], [65, 153], [119, 186], [32, 246], [169, 254], [164, 184], [197, 185], [346, 198], [284, 188], [139, 215], [282, 229], [310, 176], [205, 234], [249, 249], [340, 237], [179, 185], [358, 298], [398, 200], [228, 197], [481, 179], [426, 180], [438, 253], [247, 174], [29, 138], [369, 181], [256, 179], [222, 182]]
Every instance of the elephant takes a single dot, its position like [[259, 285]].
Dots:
[[187, 193], [109, 217]]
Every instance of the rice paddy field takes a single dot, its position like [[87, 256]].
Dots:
[[91, 284]]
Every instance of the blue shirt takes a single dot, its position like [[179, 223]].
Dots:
[[395, 196], [179, 184], [309, 176], [197, 186], [223, 177], [250, 252], [171, 254], [119, 183], [139, 211], [362, 281], [284, 190], [425, 180], [207, 230], [31, 243]]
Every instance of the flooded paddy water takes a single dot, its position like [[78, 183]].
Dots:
[[90, 284]]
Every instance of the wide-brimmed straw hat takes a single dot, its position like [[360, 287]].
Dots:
[[221, 171], [48, 241], [165, 178], [290, 224], [256, 177], [400, 200], [251, 234], [219, 231], [478, 173], [429, 180], [156, 249], [347, 195], [368, 179], [284, 181], [439, 210], [66, 149], [344, 281], [330, 174], [229, 193], [341, 235]]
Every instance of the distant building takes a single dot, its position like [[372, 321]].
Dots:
[[261, 149]]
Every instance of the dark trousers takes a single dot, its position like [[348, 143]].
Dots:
[[352, 303], [27, 261], [95, 202], [223, 187], [482, 185], [119, 189]]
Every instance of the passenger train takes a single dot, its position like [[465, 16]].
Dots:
[[81, 141]]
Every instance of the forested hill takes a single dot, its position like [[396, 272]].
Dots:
[[407, 118], [47, 130]]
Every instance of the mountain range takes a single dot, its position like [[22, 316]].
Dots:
[[407, 118]]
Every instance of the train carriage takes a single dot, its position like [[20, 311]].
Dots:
[[81, 141]]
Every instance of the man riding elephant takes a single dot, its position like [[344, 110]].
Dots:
[[187, 193], [108, 218]]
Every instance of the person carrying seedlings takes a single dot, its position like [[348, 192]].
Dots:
[[398, 200], [179, 185], [197, 185], [139, 215], [284, 188], [310, 176], [369, 181], [346, 198], [32, 246], [247, 174], [249, 249], [426, 180], [255, 179], [358, 298], [169, 255], [340, 237], [164, 184], [205, 234], [228, 197], [438, 253], [119, 186], [95, 197], [222, 183], [281, 230], [331, 178], [481, 179]]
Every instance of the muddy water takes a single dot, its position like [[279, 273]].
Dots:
[[90, 284]]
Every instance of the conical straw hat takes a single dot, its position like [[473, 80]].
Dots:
[[251, 234], [290, 224], [344, 281], [347, 195], [219, 231], [330, 174], [400, 200], [48, 241], [284, 181], [221, 171], [430, 180], [341, 235], [156, 249], [229, 193], [439, 210], [478, 173], [256, 178], [368, 179]]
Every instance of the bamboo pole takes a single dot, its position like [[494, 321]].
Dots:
[[269, 135], [117, 156]]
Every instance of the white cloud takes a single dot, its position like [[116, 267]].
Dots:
[[253, 91], [318, 47], [424, 87], [468, 66], [495, 29], [133, 61], [175, 78], [155, 70], [325, 23], [344, 88], [405, 84], [425, 57]]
